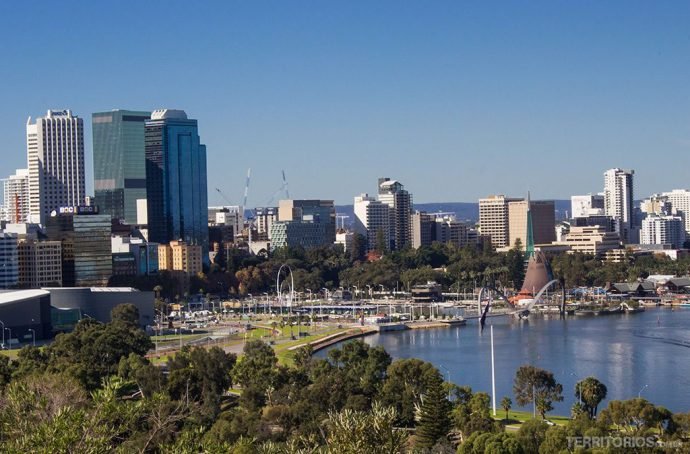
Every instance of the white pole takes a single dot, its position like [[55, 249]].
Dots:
[[493, 371]]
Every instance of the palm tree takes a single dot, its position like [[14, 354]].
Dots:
[[506, 404], [590, 392]]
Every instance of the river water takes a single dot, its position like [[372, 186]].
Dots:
[[646, 353]]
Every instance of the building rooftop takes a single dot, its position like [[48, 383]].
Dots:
[[162, 114], [12, 296]]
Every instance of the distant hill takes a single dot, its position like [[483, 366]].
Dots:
[[464, 211]]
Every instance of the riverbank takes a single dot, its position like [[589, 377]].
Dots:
[[327, 341]]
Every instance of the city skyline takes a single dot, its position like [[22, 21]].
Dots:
[[458, 101]]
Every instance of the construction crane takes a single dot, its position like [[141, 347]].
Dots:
[[227, 199], [283, 187]]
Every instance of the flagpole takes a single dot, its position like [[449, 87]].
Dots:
[[493, 371]]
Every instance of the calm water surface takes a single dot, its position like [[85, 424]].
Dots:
[[626, 352]]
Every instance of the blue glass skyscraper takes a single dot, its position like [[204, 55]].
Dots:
[[176, 186], [118, 162]]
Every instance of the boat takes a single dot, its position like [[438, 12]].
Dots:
[[686, 304], [457, 321]]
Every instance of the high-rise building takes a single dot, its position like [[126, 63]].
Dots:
[[119, 162], [663, 229], [16, 197], [305, 234], [263, 220], [86, 250], [450, 230], [583, 206], [179, 256], [55, 152], [176, 187], [40, 263], [493, 219], [618, 200], [316, 211], [423, 229], [656, 204], [680, 205], [9, 260], [372, 219], [394, 194], [346, 239], [543, 218], [145, 254]]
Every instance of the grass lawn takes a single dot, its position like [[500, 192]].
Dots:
[[12, 354], [286, 356], [518, 417], [176, 337]]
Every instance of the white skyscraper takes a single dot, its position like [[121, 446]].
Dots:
[[16, 197], [618, 199], [372, 217], [663, 230], [55, 151], [394, 194], [680, 205]]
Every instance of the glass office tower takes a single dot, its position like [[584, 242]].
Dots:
[[119, 162], [176, 180]]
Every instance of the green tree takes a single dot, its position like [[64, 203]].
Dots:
[[506, 404], [127, 314], [405, 383], [257, 372], [491, 443], [472, 413], [433, 415], [355, 432], [538, 385], [634, 416], [6, 369], [381, 246], [200, 375], [590, 392], [532, 434], [93, 350]]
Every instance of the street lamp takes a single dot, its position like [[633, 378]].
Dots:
[[33, 335], [448, 372], [321, 304], [579, 388], [9, 341], [640, 391]]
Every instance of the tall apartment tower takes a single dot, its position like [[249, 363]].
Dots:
[[176, 188], [55, 152], [680, 205], [393, 194], [119, 162], [618, 199], [663, 229], [493, 219], [372, 217], [16, 197]]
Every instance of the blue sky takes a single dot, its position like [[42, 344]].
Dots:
[[455, 99]]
